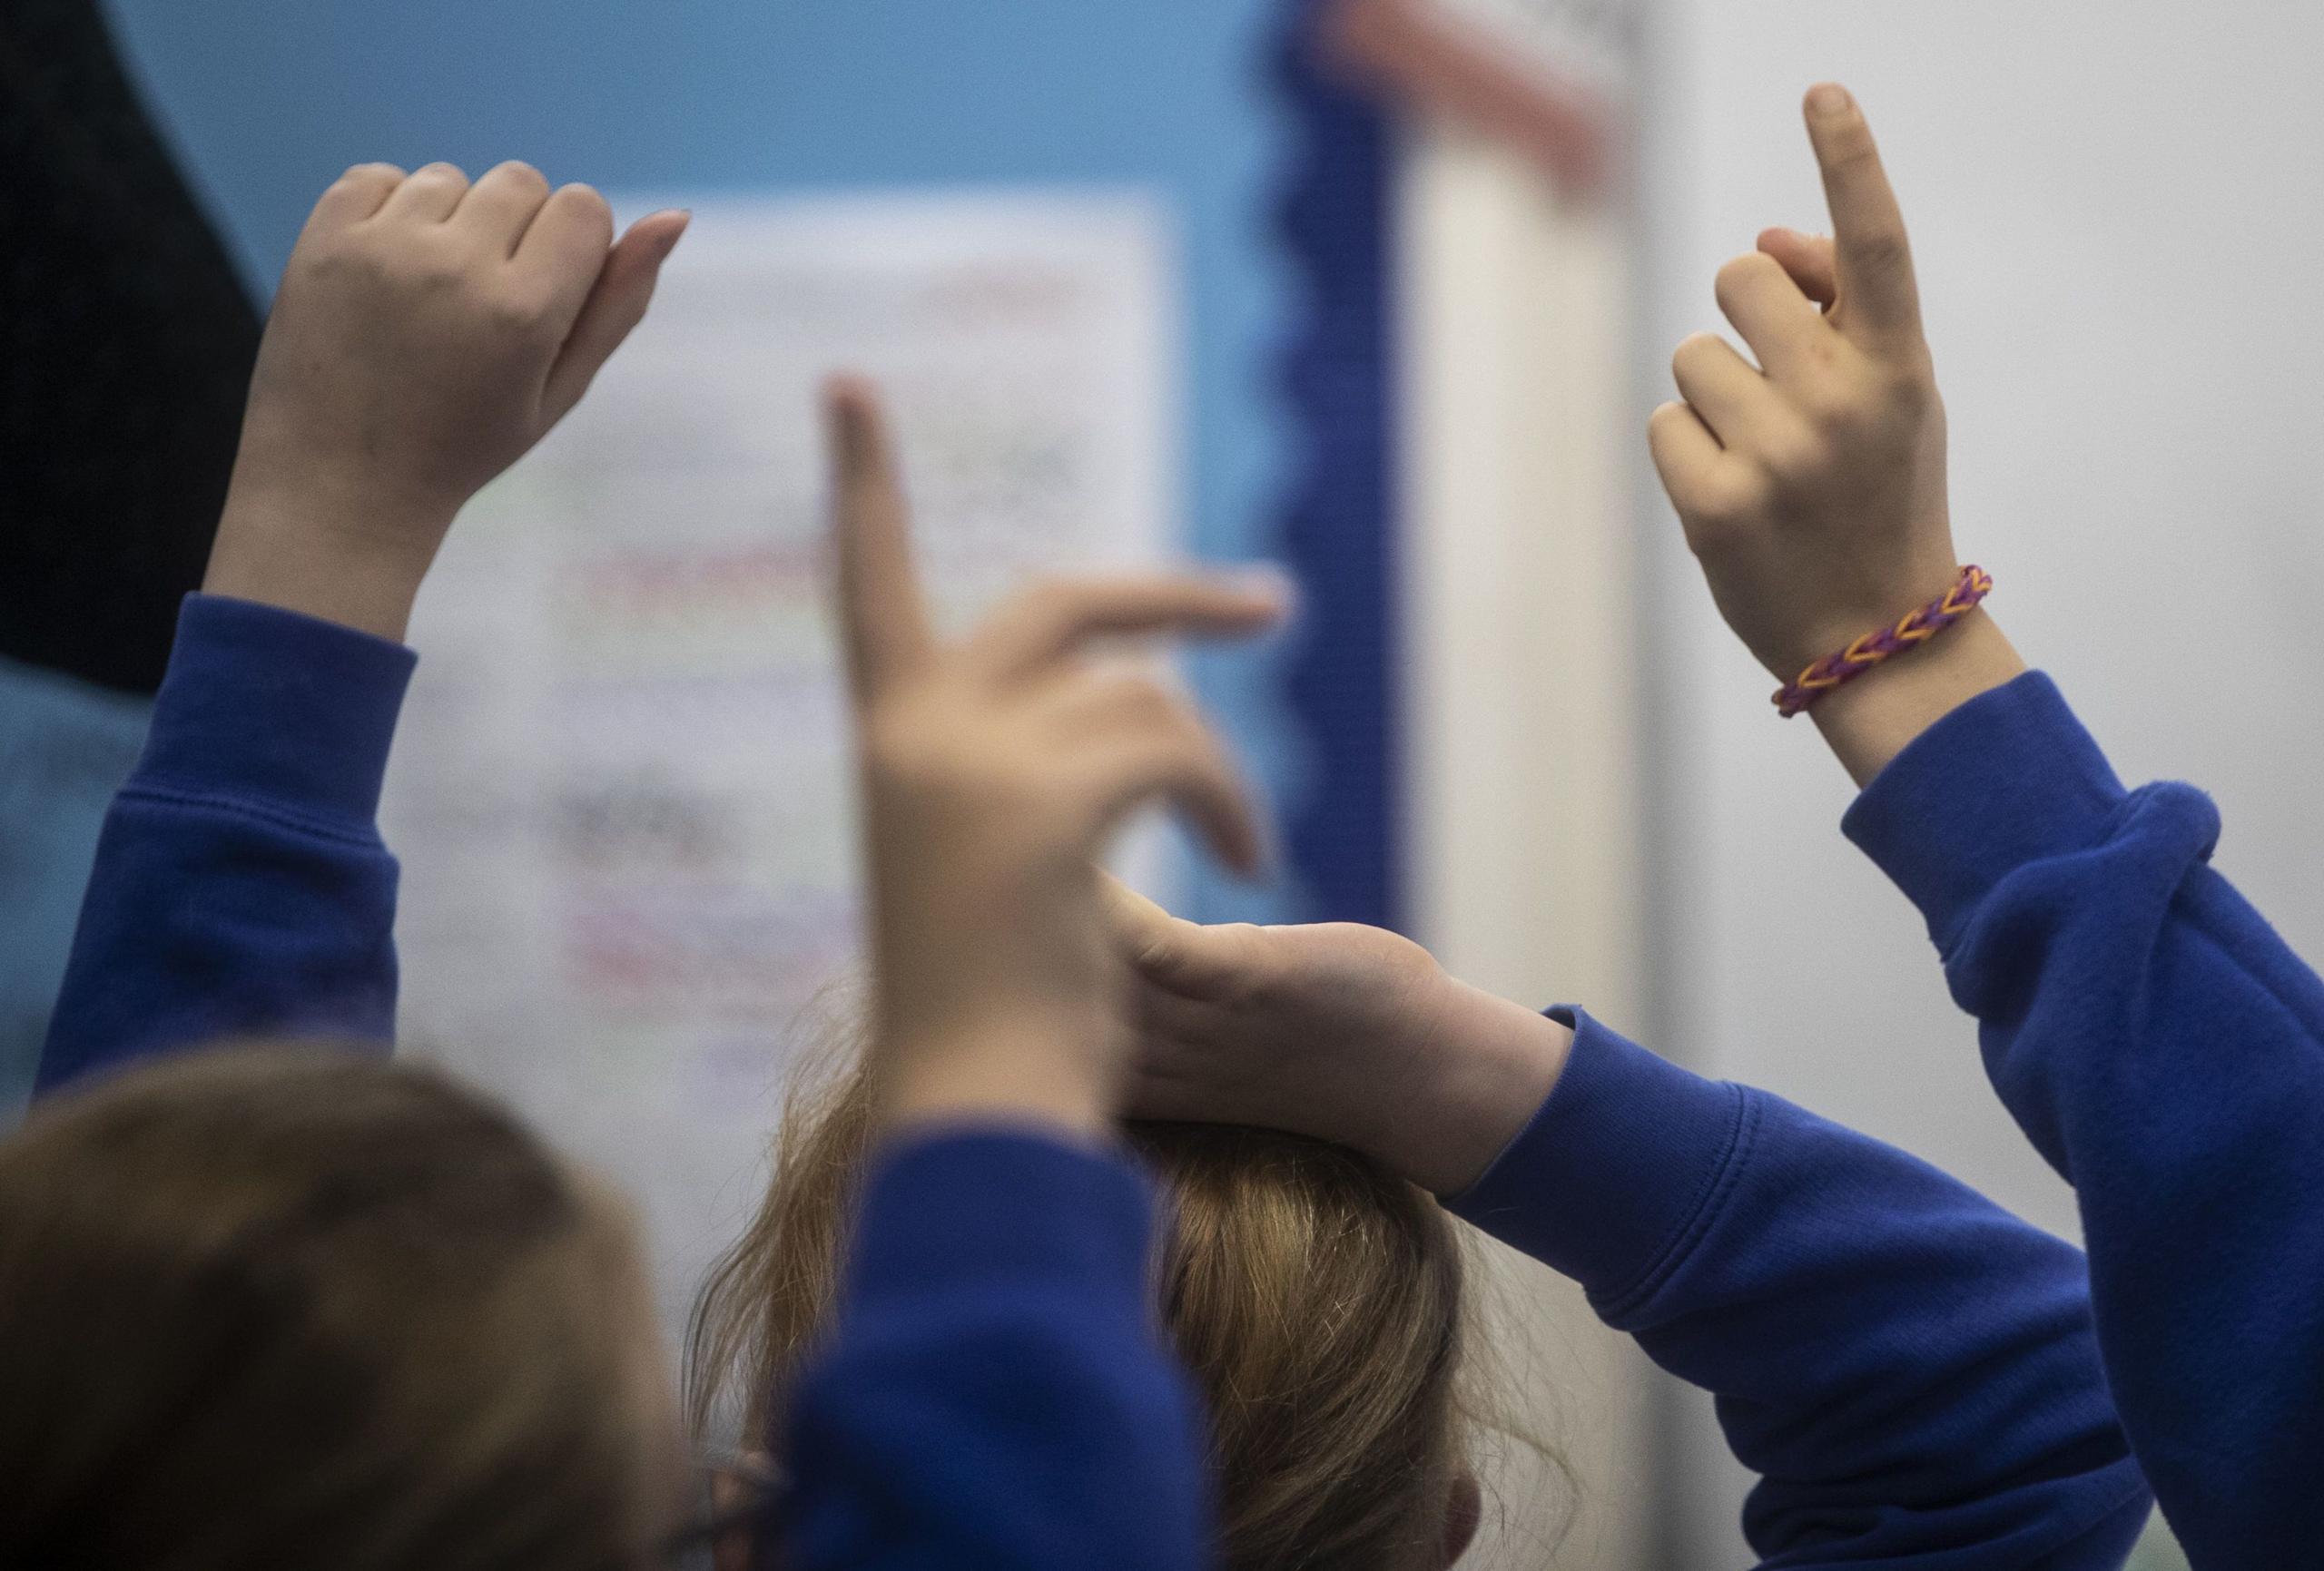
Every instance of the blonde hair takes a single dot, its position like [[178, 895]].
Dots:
[[1317, 1301], [284, 1307]]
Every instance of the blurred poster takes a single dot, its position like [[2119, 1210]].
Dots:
[[1552, 78], [1590, 46], [621, 791]]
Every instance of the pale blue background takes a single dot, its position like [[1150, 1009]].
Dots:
[[269, 99], [65, 748]]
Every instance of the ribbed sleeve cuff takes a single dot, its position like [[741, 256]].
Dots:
[[1619, 1172], [2007, 776], [266, 705], [983, 1208]]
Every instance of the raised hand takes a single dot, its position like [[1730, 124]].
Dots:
[[426, 334], [1347, 1033], [993, 770], [1811, 484]]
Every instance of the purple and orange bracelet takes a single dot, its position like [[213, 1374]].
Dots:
[[1881, 643]]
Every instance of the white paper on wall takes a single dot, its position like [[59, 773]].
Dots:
[[620, 792]]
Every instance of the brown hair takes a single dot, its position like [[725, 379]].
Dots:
[[286, 1307], [1317, 1301]]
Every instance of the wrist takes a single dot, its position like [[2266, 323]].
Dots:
[[343, 561], [1875, 717], [1490, 1066], [1030, 1074]]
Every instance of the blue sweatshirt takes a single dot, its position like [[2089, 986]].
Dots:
[[2164, 1050], [1912, 1370]]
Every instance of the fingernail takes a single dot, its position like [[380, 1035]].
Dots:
[[1830, 98]]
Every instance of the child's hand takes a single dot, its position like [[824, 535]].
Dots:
[[427, 333], [1812, 485], [993, 771], [1347, 1033]]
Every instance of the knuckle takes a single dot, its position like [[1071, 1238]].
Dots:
[[517, 314], [1849, 149], [1736, 501], [1713, 539], [1740, 274], [439, 273], [1882, 250], [1909, 388], [524, 173], [1838, 406], [1667, 431], [338, 259], [1754, 497], [1795, 458], [1821, 356], [1691, 352], [586, 201], [1250, 983], [1709, 538]]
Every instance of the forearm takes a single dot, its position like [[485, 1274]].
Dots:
[[1027, 1068], [344, 558], [239, 885], [1910, 1370], [1488, 1065], [2164, 1050], [993, 1393]]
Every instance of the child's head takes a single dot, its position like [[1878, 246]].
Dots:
[[273, 1307], [1317, 1301]]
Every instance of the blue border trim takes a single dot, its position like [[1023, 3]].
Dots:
[[1337, 375]]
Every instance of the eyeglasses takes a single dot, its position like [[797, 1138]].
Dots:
[[738, 1497]]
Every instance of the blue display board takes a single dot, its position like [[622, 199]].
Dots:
[[268, 98]]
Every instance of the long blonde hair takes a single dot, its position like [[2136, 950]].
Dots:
[[1317, 1300]]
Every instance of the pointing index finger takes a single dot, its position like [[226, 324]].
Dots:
[[883, 617], [1878, 298]]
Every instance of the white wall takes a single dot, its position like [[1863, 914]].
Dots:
[[2117, 207], [1521, 710]]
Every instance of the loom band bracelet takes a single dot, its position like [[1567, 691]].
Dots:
[[1867, 651]]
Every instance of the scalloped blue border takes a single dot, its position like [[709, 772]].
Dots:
[[1338, 377]]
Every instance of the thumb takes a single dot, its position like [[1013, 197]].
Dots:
[[616, 304]]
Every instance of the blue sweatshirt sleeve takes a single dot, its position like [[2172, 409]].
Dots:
[[241, 885], [996, 1395], [2165, 1051], [1910, 1370]]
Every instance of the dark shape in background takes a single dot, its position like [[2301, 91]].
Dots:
[[126, 341]]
